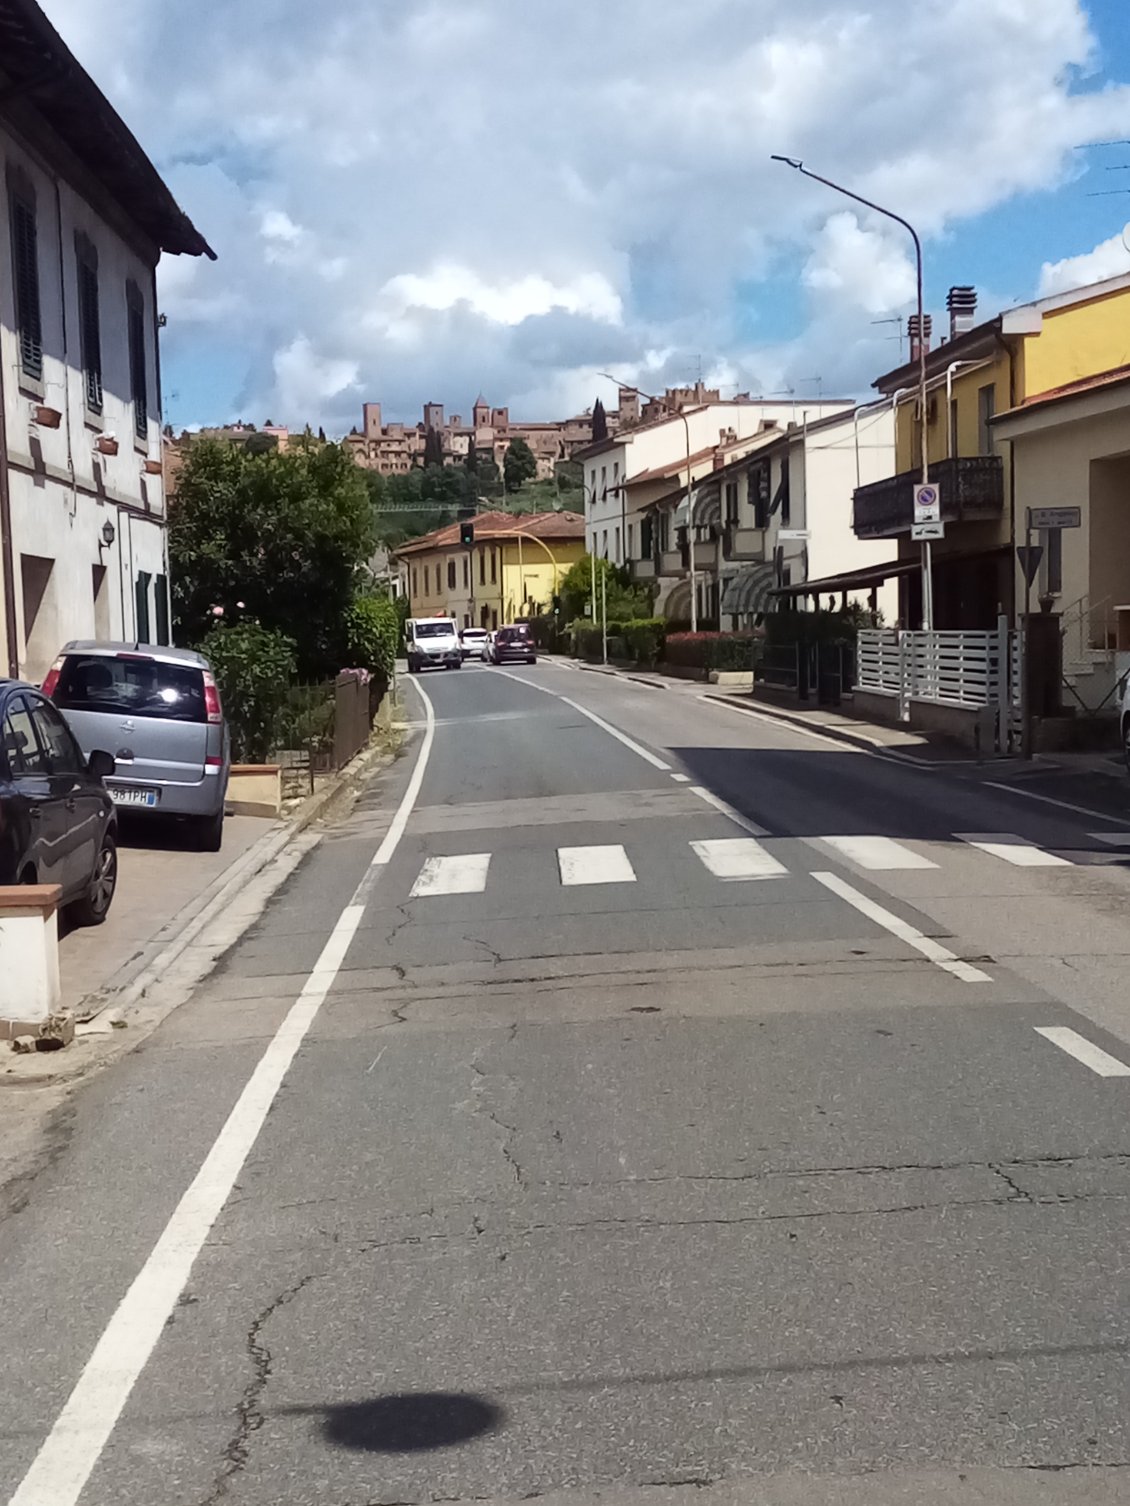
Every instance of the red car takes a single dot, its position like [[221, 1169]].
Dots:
[[514, 643]]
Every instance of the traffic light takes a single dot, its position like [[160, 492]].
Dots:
[[557, 606], [467, 534]]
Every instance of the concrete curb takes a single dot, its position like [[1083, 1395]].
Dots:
[[622, 674], [159, 954], [851, 739]]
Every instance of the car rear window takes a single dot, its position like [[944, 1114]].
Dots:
[[509, 634], [131, 685]]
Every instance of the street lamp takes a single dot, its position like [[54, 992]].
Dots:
[[628, 387], [927, 574]]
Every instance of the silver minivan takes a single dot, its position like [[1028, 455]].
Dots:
[[158, 712]]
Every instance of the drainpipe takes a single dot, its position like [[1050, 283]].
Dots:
[[1012, 604]]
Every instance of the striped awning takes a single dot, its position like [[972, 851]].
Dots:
[[747, 593]]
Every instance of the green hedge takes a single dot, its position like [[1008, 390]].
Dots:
[[639, 639], [706, 651], [254, 667]]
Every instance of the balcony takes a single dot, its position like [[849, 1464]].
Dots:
[[671, 562], [972, 489], [642, 569], [742, 543]]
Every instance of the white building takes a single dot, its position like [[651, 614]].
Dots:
[[85, 216], [635, 491]]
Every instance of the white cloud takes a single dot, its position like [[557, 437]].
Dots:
[[451, 195], [860, 267], [1109, 259]]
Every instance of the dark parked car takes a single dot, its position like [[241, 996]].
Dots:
[[515, 642], [57, 821]]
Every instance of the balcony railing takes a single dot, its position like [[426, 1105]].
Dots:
[[642, 569], [742, 543], [972, 488]]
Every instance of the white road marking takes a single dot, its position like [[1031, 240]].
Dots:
[[877, 853], [462, 873], [939, 955], [595, 865], [384, 852], [1013, 849], [728, 810], [621, 737], [1064, 805], [1111, 838], [681, 778], [1083, 1051], [738, 858], [60, 1470]]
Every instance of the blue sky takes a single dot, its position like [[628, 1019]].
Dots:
[[401, 218]]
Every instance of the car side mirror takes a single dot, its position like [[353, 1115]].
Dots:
[[101, 764]]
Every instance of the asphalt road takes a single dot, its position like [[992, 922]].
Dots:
[[664, 1111]]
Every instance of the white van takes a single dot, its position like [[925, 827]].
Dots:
[[431, 642]]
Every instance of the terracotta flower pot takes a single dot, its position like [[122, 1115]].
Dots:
[[106, 446], [47, 418], [153, 468]]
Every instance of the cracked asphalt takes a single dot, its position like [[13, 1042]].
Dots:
[[640, 1190]]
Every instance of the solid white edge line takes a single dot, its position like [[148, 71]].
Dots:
[[1064, 805], [59, 1472], [621, 737], [728, 811], [1076, 1045], [385, 851], [939, 955]]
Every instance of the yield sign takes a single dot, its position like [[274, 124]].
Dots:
[[1029, 556]]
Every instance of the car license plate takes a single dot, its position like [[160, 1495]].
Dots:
[[127, 795]]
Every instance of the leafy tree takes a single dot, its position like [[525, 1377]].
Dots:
[[372, 629], [433, 447], [599, 422], [261, 444], [277, 539], [625, 600], [519, 465]]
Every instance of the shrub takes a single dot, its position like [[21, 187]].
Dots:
[[372, 628], [707, 651], [254, 667], [645, 638]]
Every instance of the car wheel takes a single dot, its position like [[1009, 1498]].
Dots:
[[533, 659], [94, 906], [209, 831], [458, 664]]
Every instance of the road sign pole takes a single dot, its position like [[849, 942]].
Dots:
[[1025, 640]]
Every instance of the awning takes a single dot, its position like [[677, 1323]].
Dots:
[[866, 579], [748, 592]]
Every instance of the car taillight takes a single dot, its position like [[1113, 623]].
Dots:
[[52, 678], [212, 699], [213, 762]]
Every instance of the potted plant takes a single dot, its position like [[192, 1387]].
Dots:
[[45, 417], [153, 468], [106, 444]]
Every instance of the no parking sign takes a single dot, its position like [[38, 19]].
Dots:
[[927, 503]]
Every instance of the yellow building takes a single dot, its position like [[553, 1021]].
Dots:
[[981, 371], [511, 571]]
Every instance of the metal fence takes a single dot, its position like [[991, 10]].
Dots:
[[821, 671], [973, 670]]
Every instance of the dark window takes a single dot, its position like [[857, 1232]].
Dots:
[[493, 567], [415, 583], [90, 330], [1052, 540], [135, 313], [141, 601], [647, 538], [986, 407], [731, 501], [63, 756], [466, 572], [161, 603], [25, 267], [131, 685], [21, 747], [759, 495], [482, 567], [451, 575]]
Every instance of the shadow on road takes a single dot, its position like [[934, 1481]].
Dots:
[[409, 1423]]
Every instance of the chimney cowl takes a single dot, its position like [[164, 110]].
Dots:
[[919, 339], [962, 305]]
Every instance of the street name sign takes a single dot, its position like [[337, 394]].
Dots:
[[1055, 517]]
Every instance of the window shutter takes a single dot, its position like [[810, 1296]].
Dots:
[[161, 601], [137, 375], [90, 333], [141, 606], [25, 260]]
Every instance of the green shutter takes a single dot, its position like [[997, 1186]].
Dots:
[[141, 604], [90, 333], [161, 602]]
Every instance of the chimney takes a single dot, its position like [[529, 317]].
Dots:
[[962, 305], [917, 338]]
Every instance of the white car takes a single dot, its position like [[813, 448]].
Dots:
[[472, 640]]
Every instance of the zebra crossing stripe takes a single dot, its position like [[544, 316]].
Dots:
[[595, 865], [462, 873], [734, 859]]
